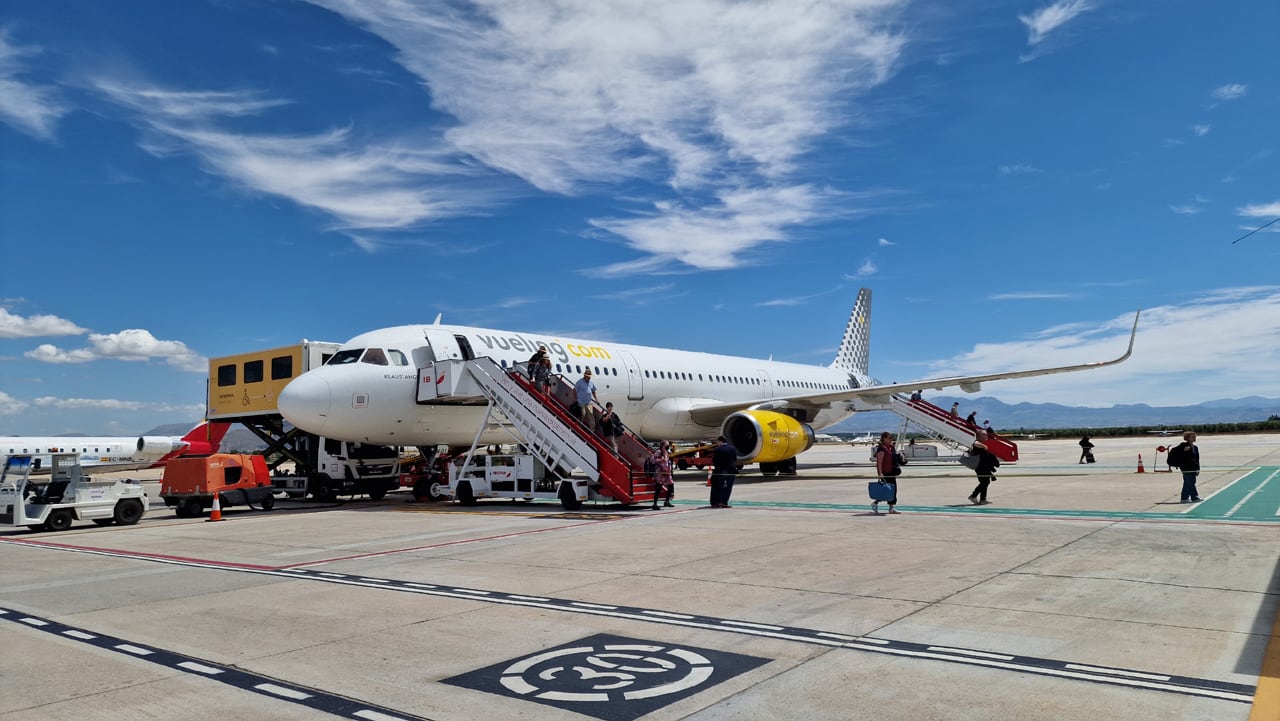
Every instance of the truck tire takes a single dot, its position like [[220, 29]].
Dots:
[[190, 508], [464, 494], [128, 511], [268, 502], [376, 494], [321, 488], [568, 498], [59, 520], [425, 490], [682, 464]]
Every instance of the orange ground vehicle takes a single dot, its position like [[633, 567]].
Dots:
[[189, 484]]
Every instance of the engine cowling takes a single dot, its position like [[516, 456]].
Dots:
[[767, 436], [158, 446]]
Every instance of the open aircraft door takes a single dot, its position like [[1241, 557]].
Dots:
[[635, 379], [444, 346]]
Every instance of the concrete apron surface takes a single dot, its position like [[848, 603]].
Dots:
[[1080, 592]]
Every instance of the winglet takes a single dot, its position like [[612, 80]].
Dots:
[[1133, 335]]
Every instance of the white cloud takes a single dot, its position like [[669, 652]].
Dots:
[[704, 100], [867, 268], [1231, 91], [1201, 130], [1261, 210], [112, 405], [127, 345], [187, 104], [10, 406], [1030, 295], [1223, 345], [36, 326], [884, 242], [1019, 169], [1049, 18], [1187, 209], [33, 109]]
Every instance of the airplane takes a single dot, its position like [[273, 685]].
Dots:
[[107, 454], [867, 440], [768, 410], [1165, 432]]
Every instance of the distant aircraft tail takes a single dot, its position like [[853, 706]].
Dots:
[[855, 350], [205, 438]]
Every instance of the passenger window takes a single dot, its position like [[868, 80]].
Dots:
[[374, 356], [253, 372], [281, 367], [227, 375]]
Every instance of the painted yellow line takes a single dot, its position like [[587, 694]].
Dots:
[[1266, 700]]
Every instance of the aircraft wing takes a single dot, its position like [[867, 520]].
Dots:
[[714, 414]]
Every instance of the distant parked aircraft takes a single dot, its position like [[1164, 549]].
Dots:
[[1163, 432], [105, 454]]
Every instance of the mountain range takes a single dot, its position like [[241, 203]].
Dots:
[[1003, 416]]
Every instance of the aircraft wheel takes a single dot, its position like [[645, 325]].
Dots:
[[104, 521], [568, 498], [464, 495], [128, 512], [59, 520], [190, 508], [268, 502]]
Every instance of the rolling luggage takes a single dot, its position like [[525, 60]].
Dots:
[[880, 491], [1088, 457]]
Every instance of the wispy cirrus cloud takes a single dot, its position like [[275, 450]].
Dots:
[[1260, 210], [36, 326], [1041, 23], [1192, 207], [30, 107], [1019, 169], [1230, 91], [700, 107], [127, 345], [1242, 324], [1031, 295]]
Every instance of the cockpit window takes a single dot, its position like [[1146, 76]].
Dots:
[[375, 356], [343, 357], [397, 358]]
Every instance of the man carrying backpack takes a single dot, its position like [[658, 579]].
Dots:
[[1186, 457]]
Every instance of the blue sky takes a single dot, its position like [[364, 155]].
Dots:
[[181, 181]]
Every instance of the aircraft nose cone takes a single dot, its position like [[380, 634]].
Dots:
[[305, 403]]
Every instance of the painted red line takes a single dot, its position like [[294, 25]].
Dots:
[[137, 554]]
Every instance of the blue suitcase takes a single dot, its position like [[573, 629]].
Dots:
[[880, 491]]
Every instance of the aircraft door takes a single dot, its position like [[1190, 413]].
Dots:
[[766, 385], [444, 346], [635, 379]]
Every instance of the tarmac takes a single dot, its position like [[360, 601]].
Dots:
[[1081, 592]]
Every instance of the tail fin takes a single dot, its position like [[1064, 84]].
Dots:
[[205, 438], [855, 349]]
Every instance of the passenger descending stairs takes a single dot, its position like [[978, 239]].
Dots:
[[549, 430], [939, 425]]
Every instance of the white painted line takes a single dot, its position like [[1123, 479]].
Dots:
[[664, 614], [282, 691], [967, 652], [419, 585], [129, 648], [581, 604], [33, 621], [470, 590], [1117, 672], [877, 641], [527, 598], [371, 580], [200, 668], [78, 634], [326, 574], [745, 624], [376, 716], [836, 636]]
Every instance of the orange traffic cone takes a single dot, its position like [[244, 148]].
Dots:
[[708, 476], [216, 513], [1140, 468]]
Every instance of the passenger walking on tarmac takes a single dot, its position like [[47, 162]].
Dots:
[[585, 393], [541, 375], [610, 426], [659, 468], [985, 470], [724, 466], [1086, 450], [888, 467], [1186, 457]]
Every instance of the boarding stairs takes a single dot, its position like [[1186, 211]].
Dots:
[[939, 425], [544, 425]]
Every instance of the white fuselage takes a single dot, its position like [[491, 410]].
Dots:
[[101, 454], [652, 389]]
